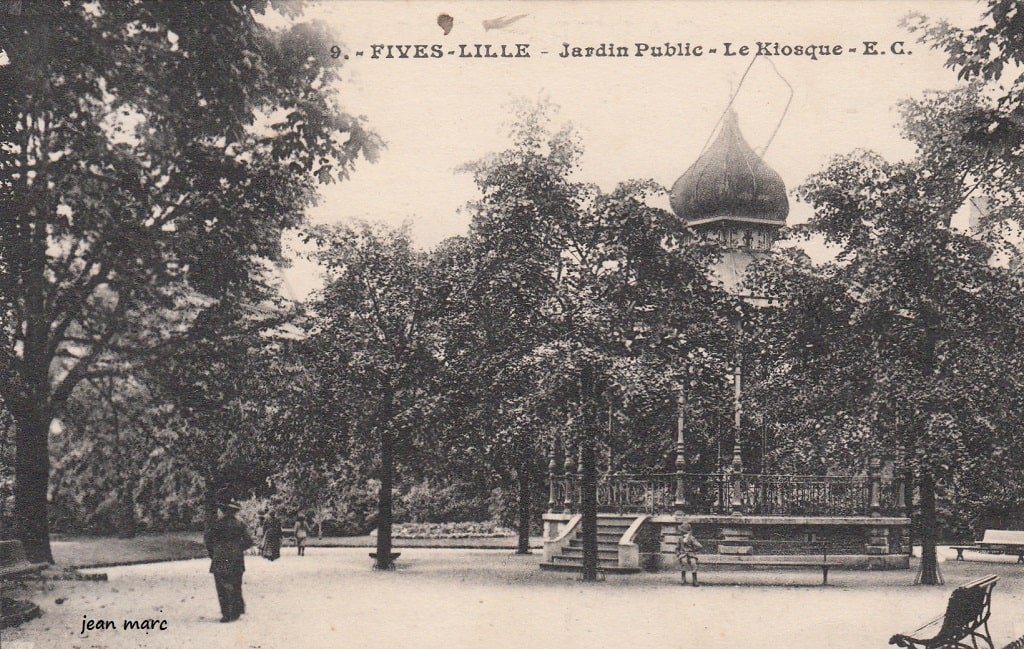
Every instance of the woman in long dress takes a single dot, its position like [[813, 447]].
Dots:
[[271, 537]]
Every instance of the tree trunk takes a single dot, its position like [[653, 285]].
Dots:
[[589, 506], [127, 524], [909, 490], [929, 532], [523, 546], [31, 481], [588, 471], [387, 468], [125, 516], [33, 408]]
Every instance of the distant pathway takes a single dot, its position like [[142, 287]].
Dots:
[[91, 551]]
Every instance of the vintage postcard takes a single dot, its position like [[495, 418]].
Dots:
[[511, 324]]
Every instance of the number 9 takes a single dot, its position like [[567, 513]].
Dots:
[[335, 51]]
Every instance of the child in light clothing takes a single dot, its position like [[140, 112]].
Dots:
[[301, 532], [687, 551]]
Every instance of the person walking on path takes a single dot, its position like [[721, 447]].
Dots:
[[258, 535], [301, 532], [687, 550], [271, 545], [226, 542]]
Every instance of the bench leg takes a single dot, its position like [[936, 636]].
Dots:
[[959, 554], [824, 575], [1020, 558], [988, 636]]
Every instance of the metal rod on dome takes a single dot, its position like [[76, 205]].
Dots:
[[785, 109], [732, 98]]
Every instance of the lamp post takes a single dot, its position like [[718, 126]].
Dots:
[[736, 500], [680, 503]]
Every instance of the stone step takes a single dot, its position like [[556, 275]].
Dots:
[[609, 544], [607, 537], [578, 561], [563, 567], [601, 553], [616, 520]]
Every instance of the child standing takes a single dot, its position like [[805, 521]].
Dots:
[[687, 550], [301, 532]]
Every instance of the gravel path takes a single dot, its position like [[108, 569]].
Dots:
[[476, 599], [95, 551]]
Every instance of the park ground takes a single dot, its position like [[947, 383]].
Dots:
[[477, 599], [103, 551]]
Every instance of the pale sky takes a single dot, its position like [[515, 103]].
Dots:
[[638, 117]]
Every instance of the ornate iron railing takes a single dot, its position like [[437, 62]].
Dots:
[[727, 493], [791, 495]]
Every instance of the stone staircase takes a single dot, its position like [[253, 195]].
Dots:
[[610, 528]]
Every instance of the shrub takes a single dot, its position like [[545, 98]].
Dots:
[[460, 530], [428, 503]]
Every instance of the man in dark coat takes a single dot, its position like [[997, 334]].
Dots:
[[226, 542]]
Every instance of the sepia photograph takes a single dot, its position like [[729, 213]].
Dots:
[[535, 324]]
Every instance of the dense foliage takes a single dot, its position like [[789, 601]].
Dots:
[[152, 154], [149, 366]]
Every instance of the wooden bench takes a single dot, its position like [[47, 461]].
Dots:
[[13, 562], [747, 561], [966, 617], [772, 561], [996, 542]]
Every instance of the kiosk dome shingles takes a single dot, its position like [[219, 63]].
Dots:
[[729, 180]]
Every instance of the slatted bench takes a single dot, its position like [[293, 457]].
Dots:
[[996, 542], [13, 562], [966, 616], [747, 561]]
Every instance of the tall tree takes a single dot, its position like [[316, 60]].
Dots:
[[225, 386], [984, 137], [637, 312], [579, 293], [514, 249], [144, 146], [930, 321], [376, 332]]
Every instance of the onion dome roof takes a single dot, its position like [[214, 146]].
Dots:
[[730, 180]]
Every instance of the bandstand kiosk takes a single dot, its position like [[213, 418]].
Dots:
[[861, 521]]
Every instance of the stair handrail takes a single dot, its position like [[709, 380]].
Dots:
[[553, 547], [629, 550]]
